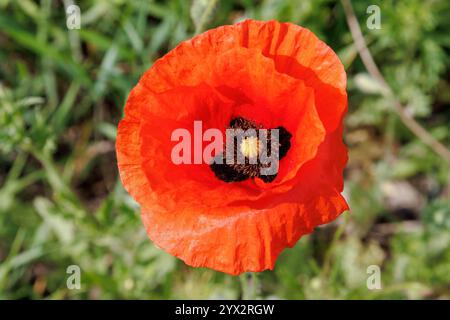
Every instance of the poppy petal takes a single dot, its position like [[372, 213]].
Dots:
[[276, 74]]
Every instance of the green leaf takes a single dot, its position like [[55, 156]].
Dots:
[[202, 12], [437, 215], [108, 130], [367, 84], [60, 117], [63, 228], [29, 41]]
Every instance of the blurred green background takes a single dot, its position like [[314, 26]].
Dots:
[[62, 94]]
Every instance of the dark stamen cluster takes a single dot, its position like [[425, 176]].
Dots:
[[250, 168]]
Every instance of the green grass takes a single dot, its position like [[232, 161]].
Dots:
[[61, 203]]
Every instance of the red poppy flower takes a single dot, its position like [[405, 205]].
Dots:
[[251, 74]]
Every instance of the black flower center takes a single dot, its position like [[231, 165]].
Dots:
[[251, 151]]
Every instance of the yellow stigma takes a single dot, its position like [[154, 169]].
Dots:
[[250, 147]]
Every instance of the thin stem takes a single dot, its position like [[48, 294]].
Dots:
[[249, 286], [209, 8], [374, 71]]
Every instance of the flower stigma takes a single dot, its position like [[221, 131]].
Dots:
[[250, 147]]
